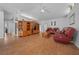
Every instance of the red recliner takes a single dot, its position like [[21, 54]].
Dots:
[[65, 36]]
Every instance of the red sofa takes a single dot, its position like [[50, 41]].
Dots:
[[65, 36]]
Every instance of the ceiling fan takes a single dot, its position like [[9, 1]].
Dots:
[[44, 9], [69, 9]]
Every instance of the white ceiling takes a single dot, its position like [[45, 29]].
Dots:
[[52, 10]]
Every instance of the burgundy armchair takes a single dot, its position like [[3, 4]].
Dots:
[[52, 30]]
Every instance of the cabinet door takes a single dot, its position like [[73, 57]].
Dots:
[[24, 25], [19, 24], [36, 28], [24, 28], [29, 28], [20, 30]]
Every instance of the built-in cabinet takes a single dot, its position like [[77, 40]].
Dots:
[[26, 28]]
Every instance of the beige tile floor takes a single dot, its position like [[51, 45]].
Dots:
[[35, 45]]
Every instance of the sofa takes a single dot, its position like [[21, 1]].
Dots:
[[65, 36]]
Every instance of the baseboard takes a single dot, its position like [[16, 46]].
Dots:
[[76, 45], [1, 37]]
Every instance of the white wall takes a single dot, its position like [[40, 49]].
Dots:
[[60, 23], [77, 24], [1, 24], [11, 27]]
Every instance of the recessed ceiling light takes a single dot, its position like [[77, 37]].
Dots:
[[42, 10]]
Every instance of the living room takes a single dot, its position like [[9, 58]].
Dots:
[[39, 28]]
